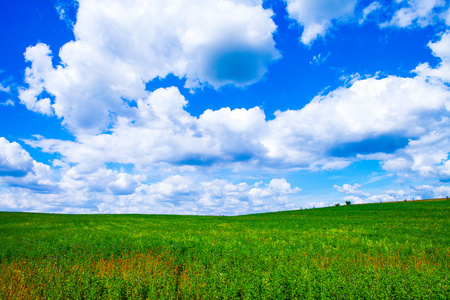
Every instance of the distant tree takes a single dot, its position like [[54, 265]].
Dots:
[[337, 204], [348, 202]]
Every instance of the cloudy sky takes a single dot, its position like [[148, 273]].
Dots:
[[222, 107]]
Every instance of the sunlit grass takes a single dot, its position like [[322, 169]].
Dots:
[[377, 251]]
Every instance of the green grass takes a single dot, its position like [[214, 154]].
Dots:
[[375, 251]]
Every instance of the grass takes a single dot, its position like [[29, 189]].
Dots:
[[376, 251]]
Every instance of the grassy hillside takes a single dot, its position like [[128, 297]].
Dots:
[[375, 251]]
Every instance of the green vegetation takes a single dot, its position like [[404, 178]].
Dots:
[[375, 251]]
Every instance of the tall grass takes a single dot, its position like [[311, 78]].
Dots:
[[377, 251]]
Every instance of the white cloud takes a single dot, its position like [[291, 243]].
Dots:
[[220, 196], [396, 165], [14, 161], [320, 204], [441, 49], [125, 184], [316, 16], [440, 191], [372, 7], [353, 199], [5, 89], [416, 12], [39, 180], [102, 180], [446, 17], [425, 161], [411, 193], [427, 154], [371, 116], [92, 193], [119, 46], [18, 169], [277, 189], [221, 193], [172, 188], [66, 10], [27, 185], [8, 102], [163, 132], [349, 189], [35, 76], [359, 197], [319, 59], [443, 170], [182, 37]]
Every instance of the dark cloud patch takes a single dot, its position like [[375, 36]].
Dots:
[[206, 161], [196, 160], [12, 172], [36, 187], [239, 66], [381, 144]]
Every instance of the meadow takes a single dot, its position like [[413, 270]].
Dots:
[[375, 251]]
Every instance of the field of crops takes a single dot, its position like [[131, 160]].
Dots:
[[375, 251]]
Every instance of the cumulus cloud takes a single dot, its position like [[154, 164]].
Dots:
[[98, 90], [40, 180], [373, 115], [98, 72], [174, 194], [426, 157], [277, 189], [441, 49], [427, 154], [34, 77], [120, 46], [316, 16], [163, 132], [102, 180], [218, 196], [14, 160], [69, 187], [396, 164], [386, 116], [18, 169]]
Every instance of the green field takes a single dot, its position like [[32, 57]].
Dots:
[[374, 251]]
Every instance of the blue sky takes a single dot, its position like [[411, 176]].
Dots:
[[222, 107]]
